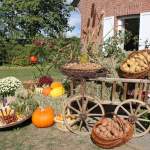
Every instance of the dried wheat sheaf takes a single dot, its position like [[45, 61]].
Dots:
[[92, 29]]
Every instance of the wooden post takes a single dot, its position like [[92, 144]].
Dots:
[[136, 90], [114, 91], [103, 90], [146, 92], [125, 90], [72, 87], [140, 92]]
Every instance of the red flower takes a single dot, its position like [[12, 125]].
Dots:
[[45, 80]]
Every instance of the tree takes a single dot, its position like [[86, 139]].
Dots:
[[25, 19]]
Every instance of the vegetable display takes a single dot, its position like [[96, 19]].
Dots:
[[136, 65], [56, 85], [56, 89], [111, 129], [17, 108], [111, 132], [43, 117], [56, 92], [83, 66], [7, 116], [46, 91]]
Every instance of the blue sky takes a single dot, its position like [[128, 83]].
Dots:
[[74, 21]]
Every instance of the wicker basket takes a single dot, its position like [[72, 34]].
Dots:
[[111, 143], [139, 75], [13, 124], [79, 73], [83, 74], [140, 52]]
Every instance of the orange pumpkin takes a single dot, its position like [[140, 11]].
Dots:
[[46, 91], [43, 117], [56, 85], [33, 59]]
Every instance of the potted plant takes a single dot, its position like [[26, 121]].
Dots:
[[8, 87]]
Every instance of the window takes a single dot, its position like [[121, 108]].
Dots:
[[144, 36], [108, 30], [131, 24]]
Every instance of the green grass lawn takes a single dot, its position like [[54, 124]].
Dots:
[[25, 73]]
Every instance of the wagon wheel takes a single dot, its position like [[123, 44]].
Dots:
[[85, 112], [138, 113]]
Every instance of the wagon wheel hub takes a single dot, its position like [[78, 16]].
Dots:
[[132, 119], [83, 116]]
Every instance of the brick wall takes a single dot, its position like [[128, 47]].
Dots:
[[113, 8]]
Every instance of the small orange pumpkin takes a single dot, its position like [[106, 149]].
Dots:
[[56, 85], [43, 117], [46, 91]]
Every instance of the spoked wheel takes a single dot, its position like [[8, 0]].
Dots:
[[138, 113], [84, 111]]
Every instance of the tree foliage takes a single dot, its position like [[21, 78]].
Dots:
[[24, 19]]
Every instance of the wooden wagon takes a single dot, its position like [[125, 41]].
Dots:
[[127, 98]]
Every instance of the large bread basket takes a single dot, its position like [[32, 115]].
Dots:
[[139, 75]]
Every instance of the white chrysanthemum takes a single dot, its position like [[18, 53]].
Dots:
[[9, 85]]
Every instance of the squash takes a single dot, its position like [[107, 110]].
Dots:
[[56, 92], [43, 117], [46, 91], [56, 85]]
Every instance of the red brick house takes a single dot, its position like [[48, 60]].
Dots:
[[133, 15]]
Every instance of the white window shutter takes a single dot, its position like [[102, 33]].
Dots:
[[108, 30], [144, 34]]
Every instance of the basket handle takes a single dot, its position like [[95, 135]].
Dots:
[[119, 121]]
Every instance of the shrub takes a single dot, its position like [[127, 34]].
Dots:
[[21, 55], [53, 53]]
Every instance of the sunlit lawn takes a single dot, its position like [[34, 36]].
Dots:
[[25, 73]]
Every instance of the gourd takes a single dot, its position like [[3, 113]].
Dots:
[[56, 85], [43, 117], [56, 92], [84, 58], [46, 91]]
